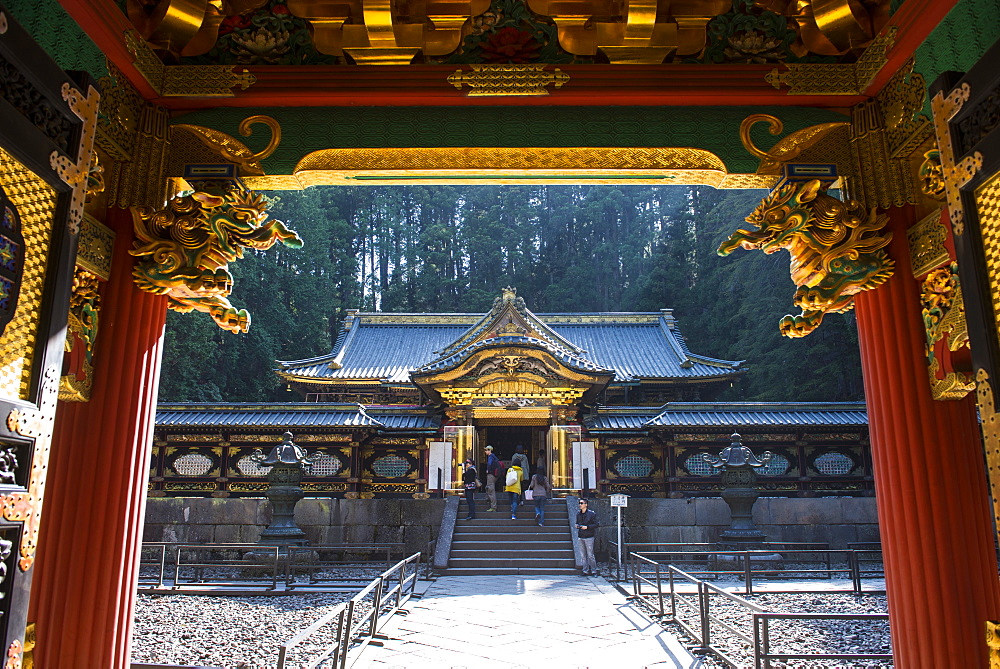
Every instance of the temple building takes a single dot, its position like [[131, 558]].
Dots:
[[611, 402]]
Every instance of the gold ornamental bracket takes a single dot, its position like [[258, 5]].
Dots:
[[954, 174], [838, 78], [502, 80], [229, 149], [202, 81], [383, 32], [788, 148], [633, 31]]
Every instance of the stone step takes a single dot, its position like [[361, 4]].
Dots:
[[510, 526], [495, 540], [508, 571], [494, 552], [512, 563], [490, 544]]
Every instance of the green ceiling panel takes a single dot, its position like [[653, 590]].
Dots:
[[304, 130]]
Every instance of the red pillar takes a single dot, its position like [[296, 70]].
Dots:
[[83, 593], [930, 481]]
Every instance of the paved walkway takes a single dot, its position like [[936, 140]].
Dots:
[[549, 622]]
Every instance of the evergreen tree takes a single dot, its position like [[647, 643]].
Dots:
[[565, 248]]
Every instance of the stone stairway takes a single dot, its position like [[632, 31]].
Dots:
[[492, 543]]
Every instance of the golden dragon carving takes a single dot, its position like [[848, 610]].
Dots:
[[184, 250], [835, 247]]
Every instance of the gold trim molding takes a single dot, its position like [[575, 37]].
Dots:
[[990, 425], [836, 79], [201, 81], [502, 80], [510, 165]]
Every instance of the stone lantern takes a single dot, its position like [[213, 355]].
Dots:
[[739, 489], [288, 463]]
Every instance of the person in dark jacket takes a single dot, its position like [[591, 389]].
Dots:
[[470, 484], [586, 528], [521, 460], [492, 472]]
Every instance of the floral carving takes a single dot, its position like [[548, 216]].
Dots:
[[511, 45]]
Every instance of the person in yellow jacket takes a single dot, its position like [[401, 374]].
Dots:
[[513, 487]]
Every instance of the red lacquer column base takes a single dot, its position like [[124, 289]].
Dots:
[[83, 593], [930, 481]]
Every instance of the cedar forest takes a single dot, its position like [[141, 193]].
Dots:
[[564, 248]]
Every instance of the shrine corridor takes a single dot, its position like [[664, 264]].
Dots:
[[553, 622]]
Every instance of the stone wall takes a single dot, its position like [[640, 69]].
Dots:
[[836, 521], [325, 521], [833, 520]]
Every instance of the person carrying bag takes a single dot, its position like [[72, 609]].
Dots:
[[539, 489]]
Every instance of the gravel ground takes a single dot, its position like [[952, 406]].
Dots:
[[234, 632], [245, 632]]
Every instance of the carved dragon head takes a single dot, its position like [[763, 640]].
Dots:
[[184, 250], [781, 219]]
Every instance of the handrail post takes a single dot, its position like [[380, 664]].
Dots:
[[348, 632], [341, 646], [635, 584], [747, 576], [377, 606], [274, 569], [673, 596], [756, 640], [766, 642], [852, 562], [659, 589], [402, 580], [177, 566], [706, 631]]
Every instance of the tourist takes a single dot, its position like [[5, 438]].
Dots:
[[541, 490], [492, 473], [521, 460], [540, 462], [469, 482], [513, 487], [586, 526]]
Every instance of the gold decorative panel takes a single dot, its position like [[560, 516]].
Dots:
[[36, 203], [988, 208]]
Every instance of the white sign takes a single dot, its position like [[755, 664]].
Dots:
[[619, 500]]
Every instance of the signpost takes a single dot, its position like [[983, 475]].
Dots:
[[619, 501]]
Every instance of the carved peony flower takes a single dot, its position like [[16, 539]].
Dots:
[[511, 45], [753, 47], [260, 46]]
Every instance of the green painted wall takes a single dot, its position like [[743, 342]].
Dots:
[[960, 40], [59, 35], [715, 129]]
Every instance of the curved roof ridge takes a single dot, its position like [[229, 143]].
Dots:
[[564, 355]]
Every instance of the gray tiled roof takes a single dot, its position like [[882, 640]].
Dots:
[[731, 415], [387, 347], [303, 414]]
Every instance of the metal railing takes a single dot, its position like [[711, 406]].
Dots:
[[693, 611], [173, 565], [358, 621], [318, 564], [767, 565]]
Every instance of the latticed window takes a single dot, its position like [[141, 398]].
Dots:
[[193, 464], [248, 467], [391, 466], [778, 466], [325, 464], [834, 464], [634, 467], [696, 466]]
